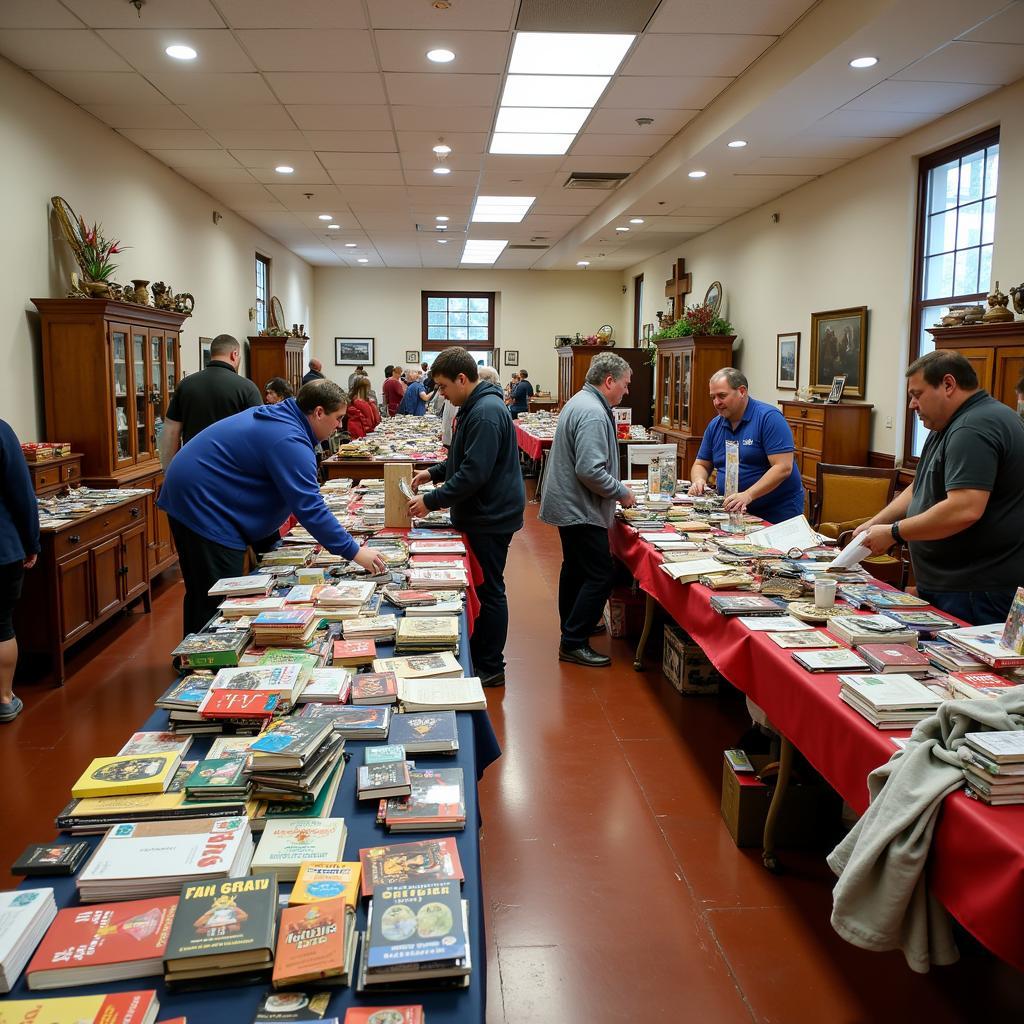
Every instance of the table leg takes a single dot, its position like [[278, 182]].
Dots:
[[638, 658], [540, 475], [768, 857]]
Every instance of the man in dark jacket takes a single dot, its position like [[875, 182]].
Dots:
[[482, 485]]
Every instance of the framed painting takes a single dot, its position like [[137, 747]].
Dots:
[[412, 356], [511, 357], [787, 361], [839, 341], [353, 351]]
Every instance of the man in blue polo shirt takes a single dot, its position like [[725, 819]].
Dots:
[[768, 483]]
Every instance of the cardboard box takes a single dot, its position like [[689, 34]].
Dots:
[[808, 814], [685, 665], [624, 613]]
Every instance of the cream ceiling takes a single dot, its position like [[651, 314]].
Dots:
[[341, 90]]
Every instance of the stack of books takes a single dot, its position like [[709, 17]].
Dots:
[[259, 584], [425, 732], [157, 858], [450, 604], [288, 555], [869, 629], [24, 917], [353, 653], [222, 929], [950, 658], [466, 694], [980, 685], [292, 760], [889, 702], [425, 634], [217, 779], [316, 943], [246, 607], [351, 722], [838, 660], [887, 658], [986, 644], [870, 595], [211, 650], [403, 599], [746, 604], [373, 627], [327, 686], [284, 628], [126, 775], [927, 623], [437, 802], [287, 843], [995, 766], [348, 594], [286, 680], [437, 579], [437, 547]]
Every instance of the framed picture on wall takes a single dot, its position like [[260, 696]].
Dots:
[[839, 342], [787, 362], [511, 357], [412, 356], [204, 352], [353, 351], [838, 383]]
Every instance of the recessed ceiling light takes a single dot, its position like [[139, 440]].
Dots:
[[442, 150], [531, 143], [441, 217], [568, 53], [362, 259], [636, 220], [284, 169], [698, 174], [737, 143], [333, 227], [440, 227], [442, 241], [440, 56], [583, 263], [350, 245], [863, 62], [181, 52], [553, 90], [622, 229], [502, 209], [442, 170], [324, 216]]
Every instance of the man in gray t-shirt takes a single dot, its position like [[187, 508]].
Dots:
[[963, 517]]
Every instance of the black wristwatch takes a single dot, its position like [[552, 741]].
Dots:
[[895, 530]]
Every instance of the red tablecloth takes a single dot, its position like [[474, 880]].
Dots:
[[977, 859], [530, 443]]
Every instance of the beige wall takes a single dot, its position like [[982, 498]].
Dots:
[[843, 240], [53, 148], [532, 307]]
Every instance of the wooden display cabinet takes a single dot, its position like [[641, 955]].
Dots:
[[277, 357], [50, 475], [682, 406], [996, 351], [109, 372], [574, 362]]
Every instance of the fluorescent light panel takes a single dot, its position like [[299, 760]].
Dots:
[[544, 120], [553, 90], [531, 143], [482, 250], [567, 53], [501, 209]]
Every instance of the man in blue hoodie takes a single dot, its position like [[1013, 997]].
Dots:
[[481, 483], [238, 480]]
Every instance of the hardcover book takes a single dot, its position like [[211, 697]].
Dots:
[[105, 1008], [390, 778], [157, 743], [807, 639], [209, 650], [325, 880], [257, 583], [316, 942], [286, 843], [247, 704], [425, 732], [381, 754], [384, 1015], [375, 688], [980, 685], [894, 658], [288, 742], [213, 777], [353, 722], [416, 923], [354, 652], [425, 860], [41, 859], [437, 801], [124, 775], [840, 660], [986, 644]]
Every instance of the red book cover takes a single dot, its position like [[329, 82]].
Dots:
[[384, 1015], [239, 704], [102, 935], [310, 942], [898, 657], [374, 688], [974, 685], [420, 596], [455, 561], [357, 651]]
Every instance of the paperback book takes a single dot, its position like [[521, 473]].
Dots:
[[425, 732], [325, 880], [125, 775], [316, 943], [839, 660], [211, 650], [24, 916], [375, 688], [425, 860], [287, 843]]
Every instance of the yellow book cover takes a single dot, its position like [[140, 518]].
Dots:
[[126, 775], [325, 880], [139, 1007]]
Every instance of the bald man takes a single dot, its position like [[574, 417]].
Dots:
[[315, 371]]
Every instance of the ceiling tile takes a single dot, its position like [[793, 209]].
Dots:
[[493, 183], [832, 146], [183, 86], [618, 121], [144, 49], [782, 182], [862, 123], [475, 52], [308, 174], [360, 142], [195, 157], [617, 164], [925, 97], [1005, 27], [373, 197], [314, 118], [245, 197], [293, 14], [311, 50], [792, 165], [455, 180], [240, 116], [406, 14], [334, 88], [155, 138], [516, 166], [721, 55], [365, 176], [382, 220], [661, 91], [442, 90], [429, 194], [591, 143], [37, 49], [360, 161], [216, 175], [326, 199], [443, 119], [328, 143], [249, 138], [101, 87], [421, 159], [36, 14], [114, 14], [299, 159], [772, 18], [141, 115], [977, 63]]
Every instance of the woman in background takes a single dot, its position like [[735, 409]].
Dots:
[[276, 390], [19, 548], [363, 414]]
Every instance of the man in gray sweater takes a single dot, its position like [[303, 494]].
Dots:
[[581, 486]]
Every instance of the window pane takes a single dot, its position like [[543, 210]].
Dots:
[[458, 305], [437, 319], [477, 319], [478, 334], [985, 269], [941, 232], [437, 303], [968, 228], [972, 169], [938, 276], [991, 170], [966, 277], [988, 229], [942, 187], [437, 333], [458, 334], [479, 305], [457, 319]]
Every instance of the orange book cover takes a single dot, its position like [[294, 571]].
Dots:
[[310, 943], [384, 1015]]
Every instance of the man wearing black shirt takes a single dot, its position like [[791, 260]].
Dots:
[[315, 371], [206, 397]]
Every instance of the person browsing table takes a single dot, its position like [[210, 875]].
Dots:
[[768, 483]]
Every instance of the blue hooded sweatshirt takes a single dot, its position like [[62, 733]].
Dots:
[[238, 480]]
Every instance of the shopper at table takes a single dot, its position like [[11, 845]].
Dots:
[[414, 401], [234, 484], [480, 482], [963, 516], [521, 395], [581, 485], [394, 390], [363, 414], [768, 480]]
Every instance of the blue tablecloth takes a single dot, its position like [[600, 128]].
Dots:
[[478, 747]]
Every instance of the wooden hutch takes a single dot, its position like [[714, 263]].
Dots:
[[109, 372], [277, 357], [996, 351], [682, 408], [574, 362]]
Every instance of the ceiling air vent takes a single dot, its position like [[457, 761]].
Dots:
[[606, 180], [524, 246]]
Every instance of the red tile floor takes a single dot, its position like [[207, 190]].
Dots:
[[613, 891]]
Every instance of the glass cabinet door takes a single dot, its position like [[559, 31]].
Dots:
[[685, 382], [143, 409], [677, 389], [170, 368], [156, 379], [121, 382], [665, 374]]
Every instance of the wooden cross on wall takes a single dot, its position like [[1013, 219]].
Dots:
[[677, 287]]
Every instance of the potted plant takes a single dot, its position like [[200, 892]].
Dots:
[[698, 320], [96, 258]]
